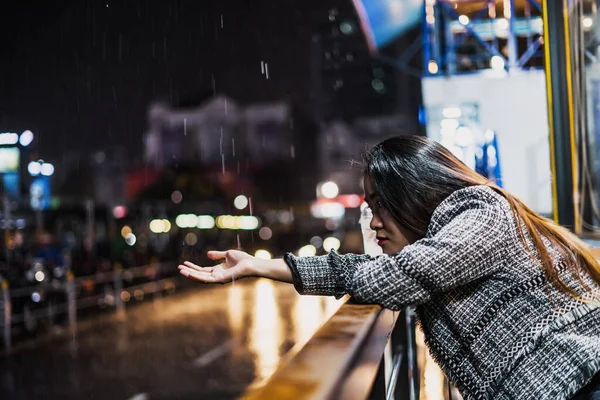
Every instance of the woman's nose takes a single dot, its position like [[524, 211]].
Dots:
[[375, 223]]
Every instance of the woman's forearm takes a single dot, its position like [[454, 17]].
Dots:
[[276, 269]]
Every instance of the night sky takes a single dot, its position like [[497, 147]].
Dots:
[[80, 73]]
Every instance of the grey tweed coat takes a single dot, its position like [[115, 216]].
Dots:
[[492, 321]]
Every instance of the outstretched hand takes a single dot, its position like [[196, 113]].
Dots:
[[234, 265]]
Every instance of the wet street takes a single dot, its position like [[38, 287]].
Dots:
[[202, 343]]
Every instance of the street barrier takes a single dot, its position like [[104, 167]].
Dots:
[[361, 352], [114, 295]]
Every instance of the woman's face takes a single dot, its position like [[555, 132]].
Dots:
[[391, 237]]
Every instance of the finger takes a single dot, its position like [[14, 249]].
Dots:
[[197, 267], [216, 255]]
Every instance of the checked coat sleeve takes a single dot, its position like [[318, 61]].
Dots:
[[466, 241]]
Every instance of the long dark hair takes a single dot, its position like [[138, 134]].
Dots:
[[413, 175]]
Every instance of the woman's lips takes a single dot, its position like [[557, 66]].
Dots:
[[381, 241]]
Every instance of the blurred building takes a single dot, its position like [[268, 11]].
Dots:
[[342, 145], [348, 81], [218, 132], [231, 139]]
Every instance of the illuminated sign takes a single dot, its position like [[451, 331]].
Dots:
[[9, 159]]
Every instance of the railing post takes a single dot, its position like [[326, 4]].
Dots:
[[118, 277], [71, 301], [411, 354], [7, 314]]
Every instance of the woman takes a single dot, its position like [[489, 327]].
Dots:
[[508, 301]]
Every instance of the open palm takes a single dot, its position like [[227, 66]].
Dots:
[[234, 265]]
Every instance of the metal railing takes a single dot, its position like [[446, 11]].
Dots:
[[361, 352], [160, 277]]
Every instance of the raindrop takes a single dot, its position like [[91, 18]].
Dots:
[[262, 67], [292, 151], [267, 70], [185, 127], [233, 147], [221, 21], [239, 244], [225, 106], [250, 205]]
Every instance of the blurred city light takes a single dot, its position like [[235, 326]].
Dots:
[[34, 168], [160, 226], [329, 190], [307, 251], [186, 221], [452, 112], [26, 138], [264, 254], [125, 296], [40, 276], [205, 222], [316, 241], [265, 233], [35, 297], [331, 243], [245, 222], [327, 210], [126, 230], [176, 197], [240, 202], [8, 138], [47, 169], [587, 22], [463, 19], [191, 239], [130, 239], [119, 212], [497, 63], [432, 67]]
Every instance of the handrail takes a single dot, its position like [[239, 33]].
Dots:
[[343, 359]]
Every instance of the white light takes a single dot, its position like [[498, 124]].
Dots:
[[39, 276], [433, 67], [452, 112], [449, 124], [247, 222], [205, 222], [307, 251], [489, 136], [240, 202], [502, 23], [463, 19], [166, 225], [587, 22], [26, 138], [265, 233], [157, 226], [47, 169], [186, 221], [8, 138], [497, 63], [329, 190], [34, 168], [130, 239], [331, 243], [328, 210], [464, 136], [35, 297], [263, 254]]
